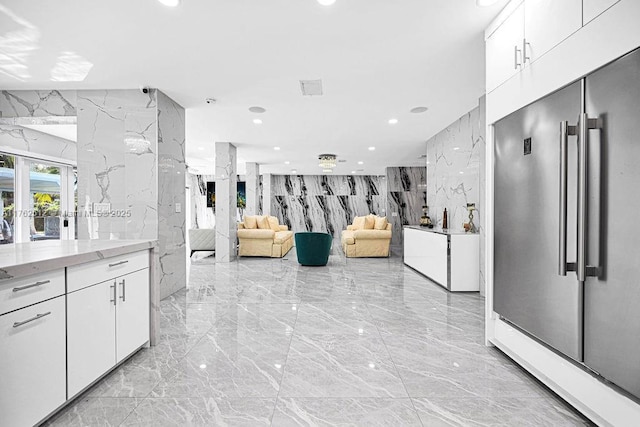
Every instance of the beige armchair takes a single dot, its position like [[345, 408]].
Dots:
[[368, 236], [263, 236]]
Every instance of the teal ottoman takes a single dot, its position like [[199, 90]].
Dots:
[[313, 248]]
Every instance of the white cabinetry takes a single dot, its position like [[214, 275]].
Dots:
[[504, 49], [107, 321], [547, 23], [132, 316], [91, 333], [32, 361], [532, 29], [450, 260], [593, 8]]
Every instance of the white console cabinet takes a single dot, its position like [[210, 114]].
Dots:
[[452, 260], [107, 321]]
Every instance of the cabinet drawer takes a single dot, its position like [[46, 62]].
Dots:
[[33, 372], [81, 276], [19, 293]]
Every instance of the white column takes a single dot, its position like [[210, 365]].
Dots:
[[266, 194], [226, 202], [253, 188]]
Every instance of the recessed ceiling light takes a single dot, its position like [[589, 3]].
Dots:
[[361, 163], [326, 2], [276, 148], [294, 171], [456, 148], [484, 3], [256, 109], [393, 121], [170, 3], [353, 171], [287, 162], [372, 148], [461, 173], [200, 148], [418, 110], [257, 121]]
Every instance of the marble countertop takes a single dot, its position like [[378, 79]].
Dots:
[[24, 259], [440, 231]]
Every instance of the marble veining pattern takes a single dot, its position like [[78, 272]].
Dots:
[[325, 203], [406, 195], [172, 170], [265, 341], [252, 188], [453, 170], [22, 140], [226, 201], [37, 103]]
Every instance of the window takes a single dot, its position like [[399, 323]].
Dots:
[[38, 200], [7, 200]]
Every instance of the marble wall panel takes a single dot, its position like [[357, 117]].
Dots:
[[453, 170], [117, 155], [172, 169], [267, 194], [456, 175], [29, 142], [406, 187], [325, 203], [37, 103], [252, 190], [411, 179], [226, 201]]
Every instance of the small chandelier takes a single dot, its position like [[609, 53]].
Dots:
[[327, 161]]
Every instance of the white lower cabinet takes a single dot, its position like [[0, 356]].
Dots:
[[91, 334], [32, 362], [132, 316], [106, 323]]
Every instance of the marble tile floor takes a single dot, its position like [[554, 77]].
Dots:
[[360, 342]]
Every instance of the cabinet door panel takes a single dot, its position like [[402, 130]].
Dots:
[[90, 334], [593, 8], [32, 364], [549, 22], [501, 55], [132, 325]]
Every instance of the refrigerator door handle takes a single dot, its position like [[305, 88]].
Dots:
[[565, 131], [586, 124]]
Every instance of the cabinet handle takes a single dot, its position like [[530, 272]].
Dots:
[[38, 316], [525, 56], [124, 285], [114, 293], [118, 263], [515, 57], [33, 285]]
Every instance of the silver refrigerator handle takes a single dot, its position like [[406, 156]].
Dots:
[[565, 131], [582, 270]]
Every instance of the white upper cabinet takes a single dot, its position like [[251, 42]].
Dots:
[[504, 49], [547, 23], [593, 8]]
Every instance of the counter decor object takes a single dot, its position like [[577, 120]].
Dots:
[[445, 221], [470, 227], [425, 220]]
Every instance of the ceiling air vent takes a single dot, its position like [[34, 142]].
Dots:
[[311, 87]]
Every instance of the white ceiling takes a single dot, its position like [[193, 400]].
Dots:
[[377, 60]]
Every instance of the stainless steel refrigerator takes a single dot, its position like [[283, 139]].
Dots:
[[567, 221]]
